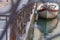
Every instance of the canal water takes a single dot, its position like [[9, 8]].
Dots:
[[47, 29]]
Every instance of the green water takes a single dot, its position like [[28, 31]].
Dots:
[[46, 25]]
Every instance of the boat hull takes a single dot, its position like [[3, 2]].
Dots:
[[48, 14], [48, 10]]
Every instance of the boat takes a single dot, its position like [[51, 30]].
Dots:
[[47, 10]]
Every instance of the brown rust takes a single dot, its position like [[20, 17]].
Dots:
[[12, 36], [47, 10]]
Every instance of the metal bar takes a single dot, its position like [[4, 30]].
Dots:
[[6, 31]]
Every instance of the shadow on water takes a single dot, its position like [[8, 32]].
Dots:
[[47, 25]]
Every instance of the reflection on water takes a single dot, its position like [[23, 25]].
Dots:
[[46, 28], [46, 25]]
